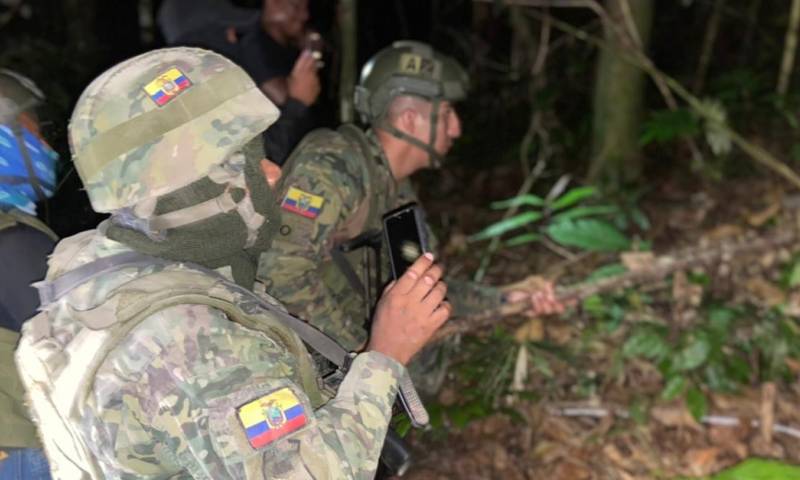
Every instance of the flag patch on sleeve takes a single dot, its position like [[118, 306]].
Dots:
[[302, 203], [271, 417], [167, 86]]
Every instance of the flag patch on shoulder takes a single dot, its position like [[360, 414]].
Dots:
[[302, 203], [271, 417], [167, 86]]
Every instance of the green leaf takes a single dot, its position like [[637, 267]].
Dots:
[[587, 211], [528, 200], [739, 370], [523, 239], [503, 226], [607, 271], [674, 387], [638, 411], [572, 197], [716, 378], [543, 366], [794, 275], [462, 415], [594, 306], [697, 403], [758, 469], [648, 343], [692, 355], [588, 234], [720, 318], [666, 125], [640, 219]]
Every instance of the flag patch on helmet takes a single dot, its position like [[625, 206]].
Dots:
[[271, 417], [302, 203], [167, 86]]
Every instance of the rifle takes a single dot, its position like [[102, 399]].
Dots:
[[654, 270]]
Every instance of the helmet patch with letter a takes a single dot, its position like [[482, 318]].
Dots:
[[413, 64]]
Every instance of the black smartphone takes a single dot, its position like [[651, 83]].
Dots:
[[406, 237]]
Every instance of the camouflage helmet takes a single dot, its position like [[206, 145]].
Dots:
[[160, 121], [407, 68], [18, 94]]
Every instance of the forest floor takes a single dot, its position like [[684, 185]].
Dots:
[[560, 398]]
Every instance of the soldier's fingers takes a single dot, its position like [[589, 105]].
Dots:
[[427, 283], [271, 171], [305, 61], [435, 296], [410, 278], [389, 287], [441, 314], [516, 296]]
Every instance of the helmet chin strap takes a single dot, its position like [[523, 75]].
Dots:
[[435, 158]]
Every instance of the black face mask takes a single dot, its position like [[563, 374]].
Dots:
[[221, 240]]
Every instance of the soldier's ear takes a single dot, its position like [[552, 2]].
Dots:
[[409, 121]]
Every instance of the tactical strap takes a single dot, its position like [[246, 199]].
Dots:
[[147, 127], [215, 206], [17, 180], [436, 159], [356, 137], [26, 156], [52, 290], [349, 273]]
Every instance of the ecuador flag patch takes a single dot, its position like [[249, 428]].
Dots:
[[302, 203], [167, 86], [271, 417]]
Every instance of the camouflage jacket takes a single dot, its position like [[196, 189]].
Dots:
[[188, 393], [324, 187]]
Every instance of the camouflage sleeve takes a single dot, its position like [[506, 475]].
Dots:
[[291, 269], [469, 298], [217, 400]]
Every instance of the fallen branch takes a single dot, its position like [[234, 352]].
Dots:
[[713, 420], [656, 270]]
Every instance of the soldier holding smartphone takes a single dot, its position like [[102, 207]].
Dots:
[[337, 185]]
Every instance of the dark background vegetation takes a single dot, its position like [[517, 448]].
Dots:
[[704, 340], [62, 45]]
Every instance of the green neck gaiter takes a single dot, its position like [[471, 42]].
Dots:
[[218, 241]]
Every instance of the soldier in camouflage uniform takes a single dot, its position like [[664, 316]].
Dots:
[[337, 185], [145, 362], [27, 176]]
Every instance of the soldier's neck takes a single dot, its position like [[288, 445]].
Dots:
[[400, 154]]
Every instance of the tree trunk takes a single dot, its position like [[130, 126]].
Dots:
[[348, 21], [618, 96], [708, 46], [789, 49]]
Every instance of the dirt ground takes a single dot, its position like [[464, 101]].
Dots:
[[557, 434]]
